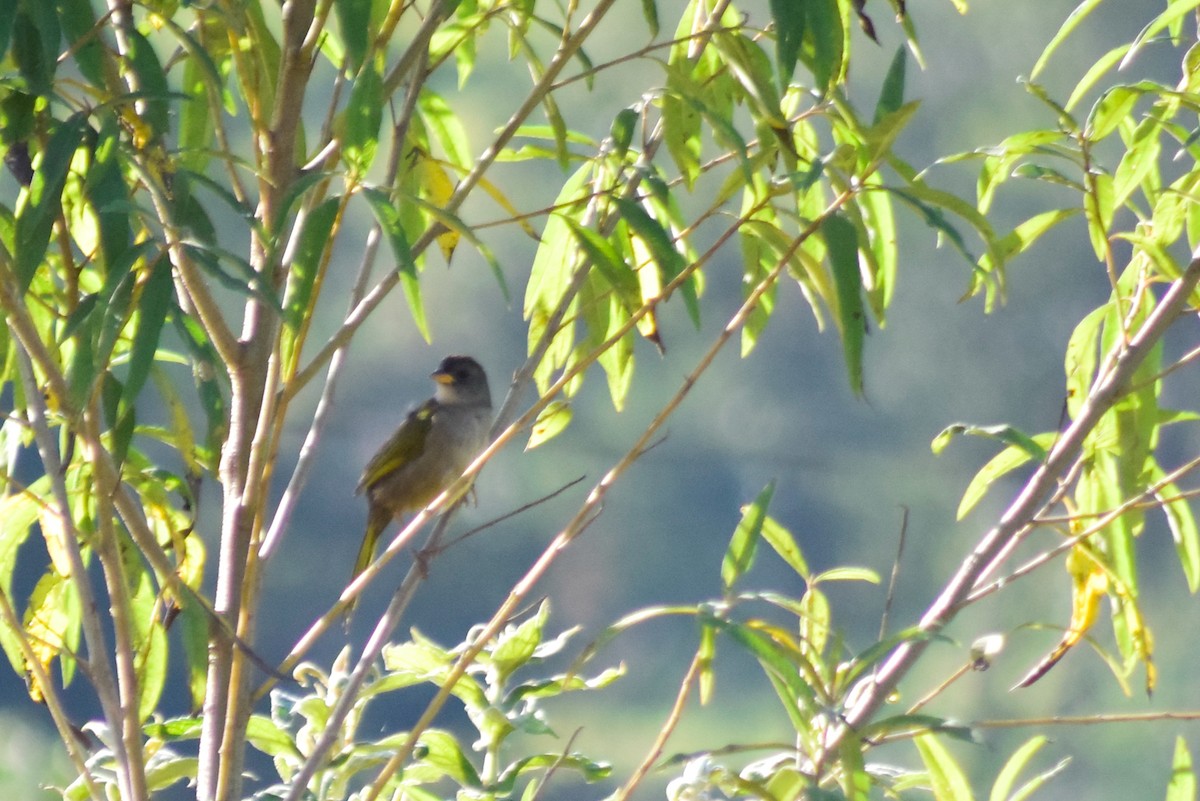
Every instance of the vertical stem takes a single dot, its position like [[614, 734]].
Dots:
[[243, 462]]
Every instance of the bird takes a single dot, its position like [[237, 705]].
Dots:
[[428, 452]]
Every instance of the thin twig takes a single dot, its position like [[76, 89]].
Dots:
[[508, 515], [562, 756], [664, 732], [895, 577], [1087, 720]]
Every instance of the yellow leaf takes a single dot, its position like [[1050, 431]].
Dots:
[[438, 188]]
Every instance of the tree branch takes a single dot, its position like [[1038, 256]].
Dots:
[[869, 695]]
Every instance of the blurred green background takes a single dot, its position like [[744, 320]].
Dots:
[[845, 468]]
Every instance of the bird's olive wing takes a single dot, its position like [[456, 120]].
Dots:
[[402, 447]]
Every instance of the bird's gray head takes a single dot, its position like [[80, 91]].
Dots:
[[460, 380]]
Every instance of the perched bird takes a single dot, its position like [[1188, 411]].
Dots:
[[429, 450]]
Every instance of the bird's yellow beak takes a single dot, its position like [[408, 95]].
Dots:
[[442, 378]]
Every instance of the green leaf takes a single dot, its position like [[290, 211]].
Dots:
[[1098, 207], [363, 116], [682, 120], [751, 69], [1082, 358], [758, 237], [152, 83], [891, 93], [210, 379], [35, 39], [8, 14], [739, 556], [516, 645], [650, 14], [789, 19], [781, 666], [354, 18], [847, 573], [1110, 110], [622, 129], [40, 204], [1073, 21], [999, 160], [150, 660], [1141, 157], [389, 220], [784, 544], [609, 264], [1001, 464], [841, 239], [1002, 788], [909, 723], [314, 238], [946, 777], [52, 622], [879, 220], [458, 227], [551, 422], [153, 305], [18, 513], [1004, 433], [815, 621], [1182, 786], [447, 129], [856, 782], [440, 750], [204, 91], [78, 22], [550, 277], [652, 233], [108, 195], [1182, 524], [267, 736], [826, 40], [1023, 236]]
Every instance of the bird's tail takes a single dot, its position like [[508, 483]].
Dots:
[[376, 522]]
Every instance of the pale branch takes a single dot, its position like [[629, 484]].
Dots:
[[871, 693], [194, 285], [355, 588], [308, 450], [307, 455], [674, 716], [120, 609], [100, 671], [50, 697], [1099, 524], [416, 52], [248, 446]]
